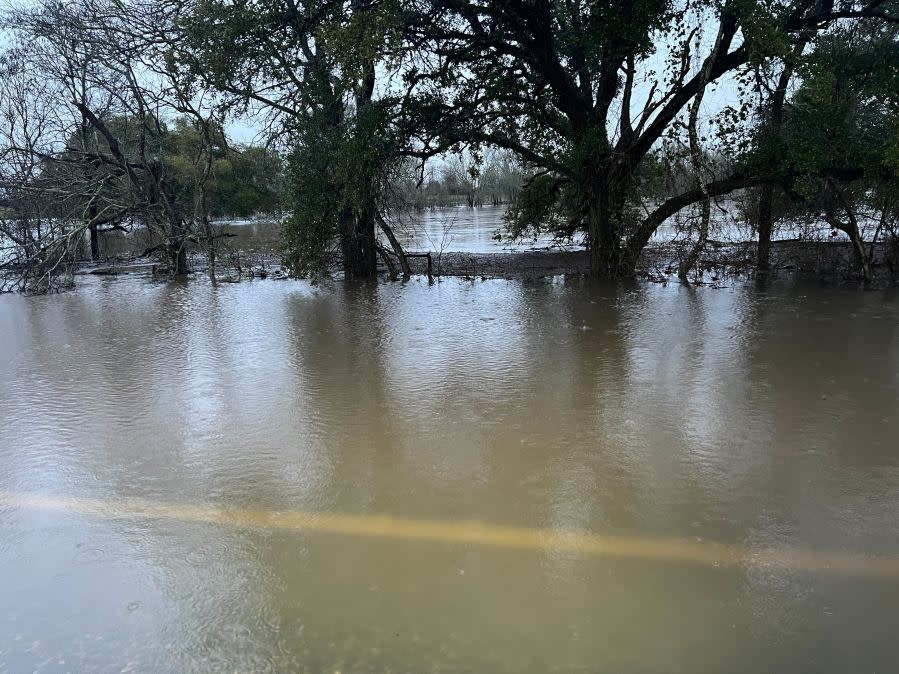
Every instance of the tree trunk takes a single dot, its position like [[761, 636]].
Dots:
[[633, 248], [357, 245], [692, 259], [95, 242], [356, 230], [859, 246], [851, 229], [603, 215], [391, 268], [766, 194], [93, 234], [395, 244], [602, 249], [175, 250], [177, 258], [766, 226]]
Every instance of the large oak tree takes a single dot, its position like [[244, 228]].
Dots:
[[584, 91]]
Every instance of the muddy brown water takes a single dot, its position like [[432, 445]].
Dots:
[[489, 476]]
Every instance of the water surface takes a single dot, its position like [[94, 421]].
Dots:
[[160, 444]]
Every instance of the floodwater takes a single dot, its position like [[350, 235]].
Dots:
[[463, 229], [483, 230], [441, 230], [486, 477]]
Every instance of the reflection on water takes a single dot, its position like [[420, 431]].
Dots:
[[754, 419]]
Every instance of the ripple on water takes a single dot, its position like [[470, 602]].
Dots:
[[677, 414]]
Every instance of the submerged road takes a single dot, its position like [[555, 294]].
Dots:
[[676, 550]]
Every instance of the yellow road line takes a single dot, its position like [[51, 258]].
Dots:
[[475, 533]]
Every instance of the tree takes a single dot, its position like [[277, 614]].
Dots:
[[312, 68], [114, 75], [840, 135], [246, 181], [39, 233], [558, 83], [771, 117]]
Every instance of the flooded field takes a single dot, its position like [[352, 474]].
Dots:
[[440, 230], [472, 230], [486, 477]]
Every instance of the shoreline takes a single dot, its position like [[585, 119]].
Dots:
[[824, 261]]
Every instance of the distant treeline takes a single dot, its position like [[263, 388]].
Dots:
[[461, 180]]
